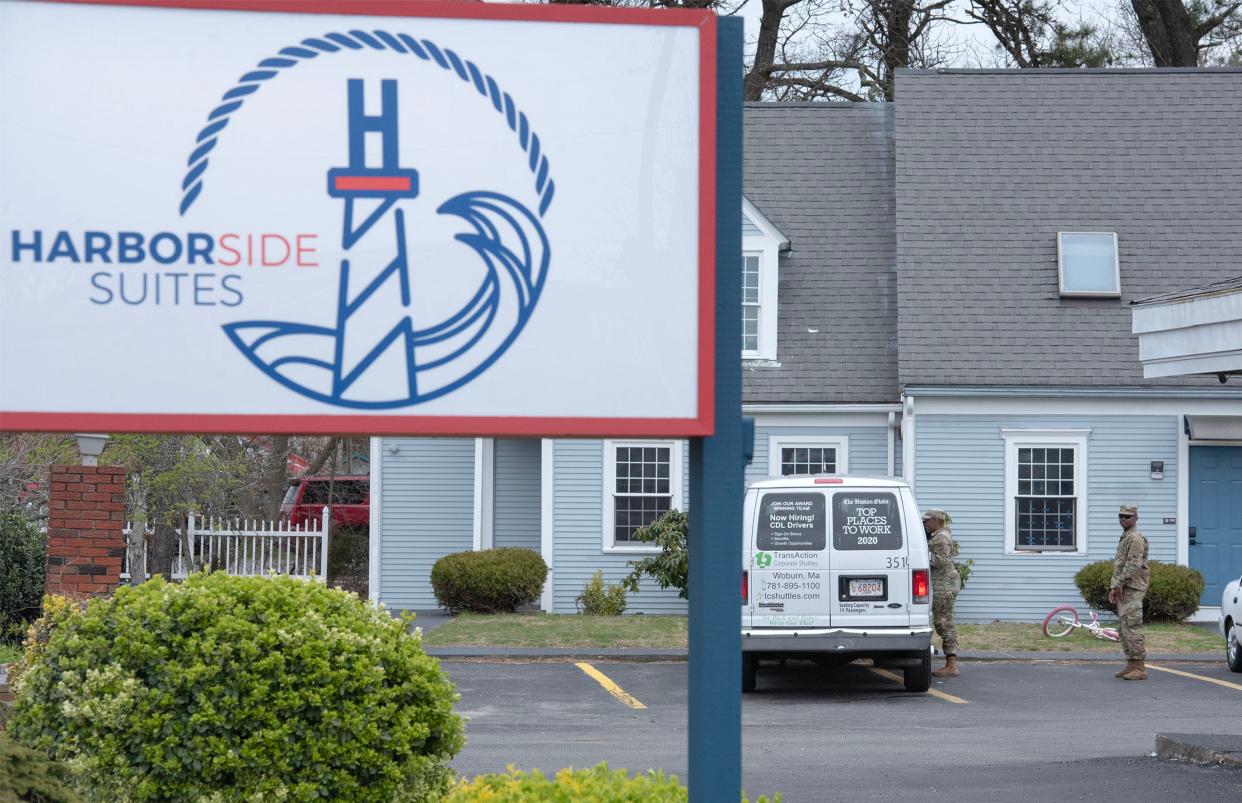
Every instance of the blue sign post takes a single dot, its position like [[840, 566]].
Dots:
[[716, 463]]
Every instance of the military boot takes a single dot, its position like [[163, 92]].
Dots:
[[1129, 665], [949, 670], [1136, 672]]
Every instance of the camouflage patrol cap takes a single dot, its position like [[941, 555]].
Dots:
[[935, 513], [1128, 510]]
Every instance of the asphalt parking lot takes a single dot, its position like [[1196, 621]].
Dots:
[[1002, 731]]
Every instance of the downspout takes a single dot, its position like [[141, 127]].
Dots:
[[907, 439], [892, 443]]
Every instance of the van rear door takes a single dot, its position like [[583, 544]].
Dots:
[[870, 576], [789, 559]]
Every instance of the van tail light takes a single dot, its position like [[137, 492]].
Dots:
[[745, 587], [920, 586]]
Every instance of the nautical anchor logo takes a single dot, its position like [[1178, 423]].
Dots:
[[411, 361]]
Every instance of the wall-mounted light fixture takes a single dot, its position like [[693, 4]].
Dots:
[[90, 446], [1157, 469]]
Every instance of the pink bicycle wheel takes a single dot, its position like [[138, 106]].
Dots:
[[1060, 621]]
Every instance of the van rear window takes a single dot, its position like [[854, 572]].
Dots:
[[866, 521], [792, 521]]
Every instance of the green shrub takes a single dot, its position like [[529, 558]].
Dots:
[[671, 568], [1173, 591], [964, 569], [23, 558], [597, 599], [598, 784], [56, 610], [29, 777], [1173, 594], [490, 580], [1093, 581], [240, 688]]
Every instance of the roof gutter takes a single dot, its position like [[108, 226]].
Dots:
[[1111, 392], [767, 407]]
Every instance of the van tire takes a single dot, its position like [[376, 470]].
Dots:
[[750, 668], [918, 678]]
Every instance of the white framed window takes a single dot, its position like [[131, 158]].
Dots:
[[761, 247], [802, 455], [642, 481], [751, 307], [1046, 491], [1087, 264]]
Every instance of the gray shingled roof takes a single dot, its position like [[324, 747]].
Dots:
[[823, 174], [992, 164]]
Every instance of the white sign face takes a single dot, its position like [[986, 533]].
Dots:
[[484, 220]]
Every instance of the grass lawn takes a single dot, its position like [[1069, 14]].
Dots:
[[1022, 637], [10, 653], [558, 630], [571, 630]]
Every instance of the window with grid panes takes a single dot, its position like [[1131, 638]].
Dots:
[[802, 460], [750, 304], [643, 490], [1046, 504]]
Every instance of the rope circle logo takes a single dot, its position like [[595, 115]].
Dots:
[[337, 356]]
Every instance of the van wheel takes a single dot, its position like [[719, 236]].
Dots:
[[1233, 651], [918, 678], [750, 668]]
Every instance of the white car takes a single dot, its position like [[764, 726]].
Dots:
[[1231, 624]]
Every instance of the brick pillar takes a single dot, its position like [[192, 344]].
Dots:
[[85, 542]]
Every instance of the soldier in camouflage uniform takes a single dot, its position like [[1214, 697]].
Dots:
[[946, 582], [1128, 587]]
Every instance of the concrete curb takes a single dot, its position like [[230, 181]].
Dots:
[[1102, 657], [1200, 748], [564, 653], [680, 654]]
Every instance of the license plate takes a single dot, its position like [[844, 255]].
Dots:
[[866, 587]]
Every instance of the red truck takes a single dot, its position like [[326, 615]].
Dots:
[[349, 495]]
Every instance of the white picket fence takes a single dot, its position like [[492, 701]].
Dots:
[[250, 548]]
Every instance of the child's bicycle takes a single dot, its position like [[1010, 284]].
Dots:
[[1063, 620]]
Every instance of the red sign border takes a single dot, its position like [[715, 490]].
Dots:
[[415, 425]]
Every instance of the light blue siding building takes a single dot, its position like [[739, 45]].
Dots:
[[936, 289]]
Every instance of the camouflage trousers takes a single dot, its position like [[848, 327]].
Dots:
[[1130, 617], [943, 621]]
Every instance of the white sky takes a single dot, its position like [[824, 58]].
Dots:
[[974, 38], [976, 43]]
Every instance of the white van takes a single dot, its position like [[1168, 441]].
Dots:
[[835, 566]]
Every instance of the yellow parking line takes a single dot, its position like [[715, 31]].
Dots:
[[613, 689], [884, 673], [1224, 683]]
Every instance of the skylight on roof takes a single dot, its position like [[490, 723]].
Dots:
[[1087, 263]]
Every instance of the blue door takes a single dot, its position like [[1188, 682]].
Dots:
[[1216, 517]]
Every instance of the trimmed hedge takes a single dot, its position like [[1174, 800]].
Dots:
[[29, 777], [1173, 591], [597, 784], [490, 580], [600, 599], [23, 557], [240, 688]]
